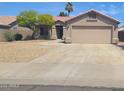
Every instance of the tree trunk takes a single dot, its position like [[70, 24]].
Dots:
[[68, 13], [33, 35], [36, 33]]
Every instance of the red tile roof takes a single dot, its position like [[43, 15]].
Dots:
[[63, 19]]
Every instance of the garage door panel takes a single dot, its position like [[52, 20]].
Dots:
[[91, 27], [91, 35]]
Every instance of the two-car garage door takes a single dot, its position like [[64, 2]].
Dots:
[[87, 34]]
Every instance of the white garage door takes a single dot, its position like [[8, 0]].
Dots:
[[101, 35]]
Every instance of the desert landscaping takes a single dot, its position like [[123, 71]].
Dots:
[[21, 51], [53, 50]]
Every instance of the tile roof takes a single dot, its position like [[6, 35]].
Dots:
[[6, 20], [63, 19], [121, 28]]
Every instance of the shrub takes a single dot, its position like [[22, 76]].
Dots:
[[18, 36], [9, 36]]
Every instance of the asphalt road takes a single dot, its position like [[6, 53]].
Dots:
[[54, 88]]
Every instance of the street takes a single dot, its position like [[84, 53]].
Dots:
[[55, 88]]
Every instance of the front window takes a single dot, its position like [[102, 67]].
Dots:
[[43, 31]]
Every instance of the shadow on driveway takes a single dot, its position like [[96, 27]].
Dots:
[[120, 45]]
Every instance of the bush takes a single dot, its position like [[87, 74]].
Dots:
[[9, 36], [18, 36]]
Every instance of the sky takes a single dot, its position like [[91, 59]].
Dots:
[[113, 9]]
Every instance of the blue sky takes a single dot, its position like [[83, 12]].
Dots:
[[113, 9]]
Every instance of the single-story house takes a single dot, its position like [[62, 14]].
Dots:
[[89, 27], [9, 23]]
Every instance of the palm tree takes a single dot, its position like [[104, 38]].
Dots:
[[69, 7], [63, 14]]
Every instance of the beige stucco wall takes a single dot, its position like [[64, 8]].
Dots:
[[1, 34], [53, 33], [84, 21]]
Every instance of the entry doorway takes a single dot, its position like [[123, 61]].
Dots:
[[121, 36], [59, 32]]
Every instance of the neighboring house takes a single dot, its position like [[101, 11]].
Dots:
[[121, 33], [6, 23], [89, 27], [9, 23]]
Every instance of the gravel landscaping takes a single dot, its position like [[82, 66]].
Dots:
[[21, 51], [26, 51]]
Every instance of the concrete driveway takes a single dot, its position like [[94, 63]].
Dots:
[[93, 65]]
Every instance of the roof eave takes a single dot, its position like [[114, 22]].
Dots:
[[92, 10], [5, 25]]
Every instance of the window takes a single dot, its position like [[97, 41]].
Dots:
[[43, 31], [92, 16]]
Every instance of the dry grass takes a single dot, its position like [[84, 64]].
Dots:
[[21, 51]]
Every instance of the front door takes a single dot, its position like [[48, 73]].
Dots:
[[59, 31], [121, 36]]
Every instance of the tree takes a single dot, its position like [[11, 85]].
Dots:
[[63, 14], [69, 8], [28, 19], [33, 20], [46, 19]]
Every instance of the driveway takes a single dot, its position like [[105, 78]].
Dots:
[[93, 65]]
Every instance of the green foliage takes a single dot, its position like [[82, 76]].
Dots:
[[9, 36], [46, 19], [27, 18], [63, 14], [18, 36], [69, 7], [33, 20]]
